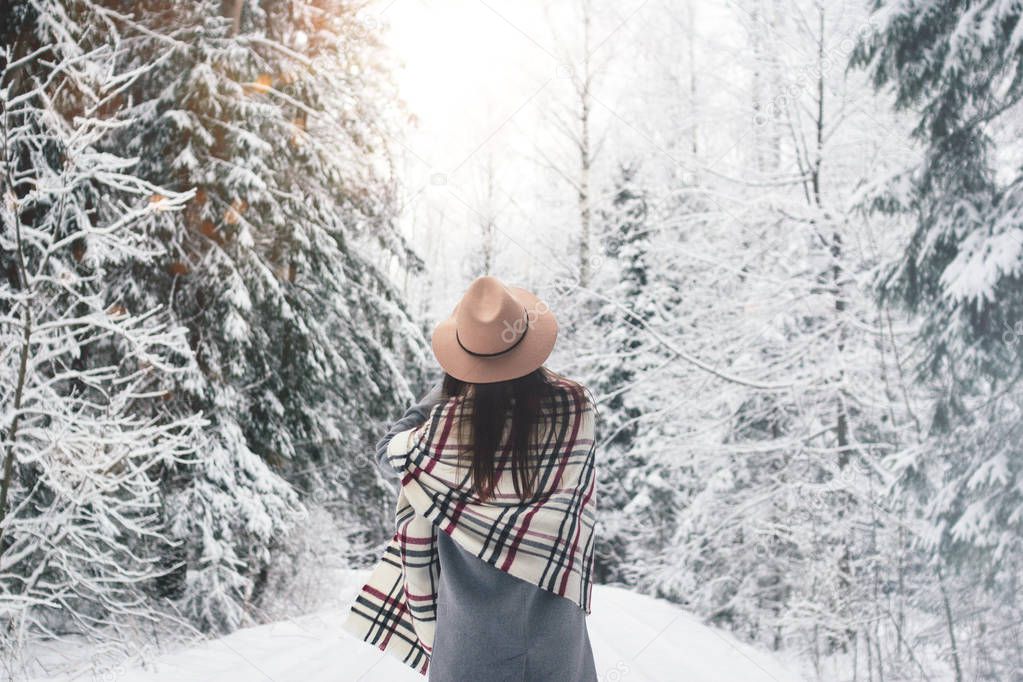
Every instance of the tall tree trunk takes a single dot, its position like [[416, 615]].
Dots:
[[756, 38], [585, 162], [233, 10], [694, 128], [19, 389], [12, 434], [949, 623], [488, 222]]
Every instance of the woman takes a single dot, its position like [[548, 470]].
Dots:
[[498, 457]]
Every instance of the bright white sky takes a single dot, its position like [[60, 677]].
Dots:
[[476, 75], [481, 78], [466, 69]]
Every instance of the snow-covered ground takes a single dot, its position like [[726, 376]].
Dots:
[[635, 639]]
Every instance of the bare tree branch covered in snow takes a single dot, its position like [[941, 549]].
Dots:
[[85, 434]]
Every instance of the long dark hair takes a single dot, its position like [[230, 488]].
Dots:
[[483, 426]]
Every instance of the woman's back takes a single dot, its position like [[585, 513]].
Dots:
[[493, 626]]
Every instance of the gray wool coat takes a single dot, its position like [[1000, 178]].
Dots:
[[493, 626]]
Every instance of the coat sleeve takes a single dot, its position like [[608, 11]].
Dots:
[[414, 416]]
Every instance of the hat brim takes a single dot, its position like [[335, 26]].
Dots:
[[527, 356]]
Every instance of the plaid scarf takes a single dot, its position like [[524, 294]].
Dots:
[[546, 540]]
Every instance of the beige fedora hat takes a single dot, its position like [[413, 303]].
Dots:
[[495, 333]]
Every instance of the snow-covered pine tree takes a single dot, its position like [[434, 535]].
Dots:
[[274, 112], [626, 238], [959, 68], [619, 361], [86, 430]]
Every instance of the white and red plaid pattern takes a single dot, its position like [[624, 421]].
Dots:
[[546, 540]]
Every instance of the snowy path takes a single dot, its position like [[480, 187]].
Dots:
[[635, 639]]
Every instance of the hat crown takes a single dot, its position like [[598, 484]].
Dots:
[[489, 319]]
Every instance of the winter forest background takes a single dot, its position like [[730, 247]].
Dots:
[[783, 239]]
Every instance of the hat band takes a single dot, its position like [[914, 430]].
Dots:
[[500, 352]]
